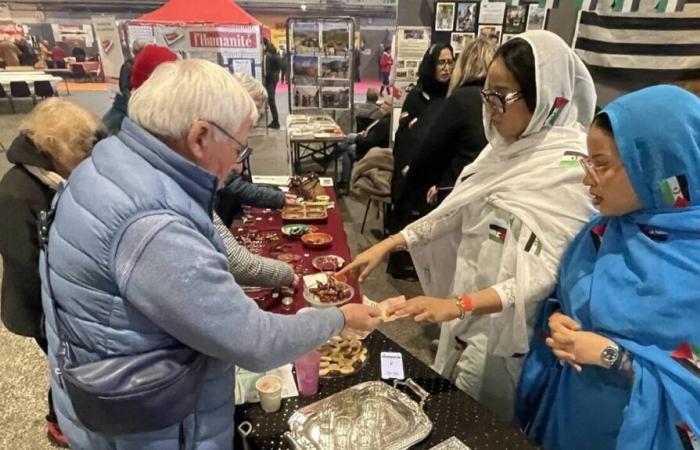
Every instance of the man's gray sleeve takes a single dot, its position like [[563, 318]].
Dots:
[[175, 277]]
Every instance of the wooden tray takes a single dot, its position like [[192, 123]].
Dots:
[[303, 213]]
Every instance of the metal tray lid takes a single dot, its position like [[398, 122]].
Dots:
[[368, 416]]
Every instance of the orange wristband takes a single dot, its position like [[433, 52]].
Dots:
[[466, 302]]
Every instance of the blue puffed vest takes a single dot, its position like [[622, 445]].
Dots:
[[127, 177]]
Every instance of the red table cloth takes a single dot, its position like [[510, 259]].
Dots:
[[261, 220]]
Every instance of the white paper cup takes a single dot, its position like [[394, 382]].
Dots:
[[269, 389]]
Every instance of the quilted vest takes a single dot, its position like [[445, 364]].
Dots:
[[127, 177]]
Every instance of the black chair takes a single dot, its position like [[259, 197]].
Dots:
[[3, 65], [361, 123], [20, 89], [44, 90], [3, 94]]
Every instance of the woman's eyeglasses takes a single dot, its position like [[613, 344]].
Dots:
[[244, 150], [446, 63], [589, 168], [497, 101]]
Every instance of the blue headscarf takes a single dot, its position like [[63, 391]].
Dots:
[[635, 279]]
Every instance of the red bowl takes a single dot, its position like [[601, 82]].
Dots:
[[317, 240]]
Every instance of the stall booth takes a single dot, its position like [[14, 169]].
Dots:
[[222, 32]]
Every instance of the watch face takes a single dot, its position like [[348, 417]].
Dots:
[[610, 355]]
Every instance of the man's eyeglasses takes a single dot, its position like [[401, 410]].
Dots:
[[446, 62], [244, 150], [497, 101]]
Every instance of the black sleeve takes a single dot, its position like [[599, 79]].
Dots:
[[125, 79], [378, 136], [19, 247], [439, 145]]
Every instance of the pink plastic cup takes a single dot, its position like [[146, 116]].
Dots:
[[307, 368]]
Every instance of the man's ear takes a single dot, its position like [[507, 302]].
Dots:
[[198, 139]]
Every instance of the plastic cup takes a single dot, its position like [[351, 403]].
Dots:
[[307, 368], [270, 391]]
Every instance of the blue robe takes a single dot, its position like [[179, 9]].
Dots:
[[635, 279]]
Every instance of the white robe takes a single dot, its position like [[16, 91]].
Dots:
[[529, 193]]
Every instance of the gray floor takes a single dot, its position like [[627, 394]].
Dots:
[[23, 378]]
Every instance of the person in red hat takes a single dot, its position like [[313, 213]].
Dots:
[[145, 63]]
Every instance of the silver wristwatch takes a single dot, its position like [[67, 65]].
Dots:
[[610, 355]]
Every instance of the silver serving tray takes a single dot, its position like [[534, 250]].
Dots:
[[368, 416], [451, 444]]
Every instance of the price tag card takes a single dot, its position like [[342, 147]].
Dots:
[[392, 365]]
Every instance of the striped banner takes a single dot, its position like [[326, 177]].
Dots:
[[549, 4], [642, 40], [626, 5], [587, 5]]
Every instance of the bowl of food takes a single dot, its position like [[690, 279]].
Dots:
[[296, 230], [328, 293], [328, 263], [317, 240]]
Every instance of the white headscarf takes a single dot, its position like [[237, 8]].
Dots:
[[524, 178]]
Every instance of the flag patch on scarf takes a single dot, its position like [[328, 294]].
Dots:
[[571, 159], [654, 234], [675, 191], [534, 245], [597, 233], [689, 356], [689, 439], [497, 233], [558, 105]]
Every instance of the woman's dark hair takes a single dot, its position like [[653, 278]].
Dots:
[[426, 71], [520, 61], [602, 121]]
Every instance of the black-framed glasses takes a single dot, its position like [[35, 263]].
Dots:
[[497, 101], [244, 149], [446, 62]]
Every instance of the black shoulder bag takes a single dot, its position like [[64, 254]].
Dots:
[[125, 394]]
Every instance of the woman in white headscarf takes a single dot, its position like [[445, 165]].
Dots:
[[489, 254]]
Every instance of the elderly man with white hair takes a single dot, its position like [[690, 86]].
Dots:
[[134, 264]]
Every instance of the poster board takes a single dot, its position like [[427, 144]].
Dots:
[[458, 22], [218, 44], [109, 46], [320, 61]]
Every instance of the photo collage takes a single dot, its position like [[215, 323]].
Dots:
[[495, 21], [321, 61]]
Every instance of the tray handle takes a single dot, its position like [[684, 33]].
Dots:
[[416, 388]]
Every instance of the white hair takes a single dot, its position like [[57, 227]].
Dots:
[[255, 89], [179, 93]]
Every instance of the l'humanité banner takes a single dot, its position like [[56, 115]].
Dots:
[[236, 40]]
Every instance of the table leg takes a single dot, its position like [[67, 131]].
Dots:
[[65, 80]]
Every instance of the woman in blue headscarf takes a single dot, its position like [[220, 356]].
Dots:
[[616, 364]]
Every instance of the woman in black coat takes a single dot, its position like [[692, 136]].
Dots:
[[457, 136], [55, 137], [417, 117]]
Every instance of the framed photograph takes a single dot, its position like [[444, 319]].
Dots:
[[536, 17], [515, 19], [467, 17], [460, 40], [507, 37], [491, 32], [335, 68], [305, 37], [336, 38], [335, 97], [305, 70], [444, 16], [492, 12], [306, 96]]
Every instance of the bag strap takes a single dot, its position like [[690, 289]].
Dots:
[[44, 223]]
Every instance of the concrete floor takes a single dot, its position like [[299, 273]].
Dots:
[[23, 377]]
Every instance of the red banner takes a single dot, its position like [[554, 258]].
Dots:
[[222, 39]]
